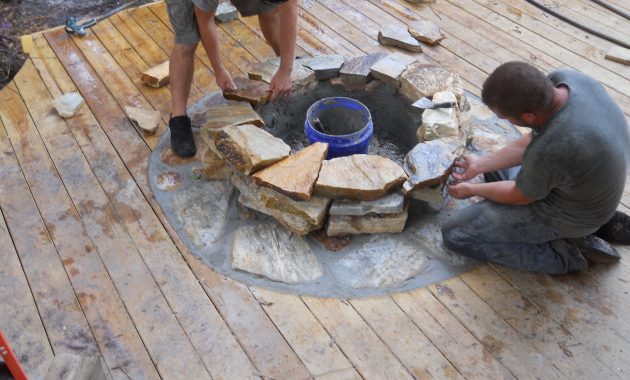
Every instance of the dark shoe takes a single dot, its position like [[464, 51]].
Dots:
[[616, 230], [596, 250], [182, 140]]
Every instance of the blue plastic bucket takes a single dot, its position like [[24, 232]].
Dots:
[[340, 115]]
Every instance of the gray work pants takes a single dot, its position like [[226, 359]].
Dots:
[[513, 236]]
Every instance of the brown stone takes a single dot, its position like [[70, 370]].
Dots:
[[429, 163], [366, 224], [389, 68], [214, 166], [422, 80], [145, 119], [301, 76], [247, 147], [398, 36], [233, 113], [252, 91], [156, 76], [356, 71], [361, 176], [295, 176], [619, 54], [426, 31]]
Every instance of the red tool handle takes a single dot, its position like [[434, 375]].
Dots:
[[11, 361]]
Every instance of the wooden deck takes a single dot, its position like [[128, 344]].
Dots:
[[89, 263]]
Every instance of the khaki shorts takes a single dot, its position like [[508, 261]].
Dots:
[[182, 15]]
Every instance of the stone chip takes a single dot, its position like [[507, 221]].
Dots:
[[145, 119], [68, 104]]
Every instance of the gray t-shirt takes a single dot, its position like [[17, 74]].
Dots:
[[576, 165]]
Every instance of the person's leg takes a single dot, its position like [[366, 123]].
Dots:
[[270, 27], [181, 68], [512, 236]]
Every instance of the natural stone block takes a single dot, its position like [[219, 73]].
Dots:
[[68, 104], [433, 196], [147, 120], [356, 71], [274, 253], [422, 80], [252, 91], [214, 166], [390, 204], [295, 176], [156, 76], [619, 54], [486, 140], [300, 217], [360, 176], [381, 262], [440, 122], [426, 31], [429, 163], [225, 12], [232, 113], [398, 36], [366, 224], [301, 76], [325, 67], [389, 68], [248, 148]]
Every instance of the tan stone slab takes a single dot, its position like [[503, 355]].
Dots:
[[360, 176], [223, 115], [389, 68], [68, 104], [145, 119], [425, 31], [247, 147], [398, 36], [619, 54], [420, 80], [356, 71], [429, 163], [301, 76], [214, 166], [295, 176], [156, 76], [366, 224], [440, 122], [252, 91]]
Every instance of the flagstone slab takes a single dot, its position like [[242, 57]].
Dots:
[[424, 80], [252, 91], [225, 12], [425, 31], [301, 76], [145, 119], [325, 66], [393, 203], [389, 68], [232, 113], [356, 71], [398, 36], [339, 225], [429, 163], [440, 122], [68, 104]]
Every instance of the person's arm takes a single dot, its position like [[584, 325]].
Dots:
[[210, 41], [505, 192], [280, 85]]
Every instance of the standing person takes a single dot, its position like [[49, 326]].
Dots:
[[193, 21], [549, 191]]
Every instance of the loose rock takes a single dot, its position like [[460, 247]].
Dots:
[[360, 176], [252, 91], [429, 163], [422, 80], [301, 76], [225, 12], [390, 204], [295, 176], [398, 36], [441, 122], [147, 120], [366, 224], [156, 76], [389, 68], [273, 252], [233, 113], [356, 71], [325, 67], [68, 104], [426, 31]]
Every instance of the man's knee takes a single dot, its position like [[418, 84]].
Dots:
[[185, 51]]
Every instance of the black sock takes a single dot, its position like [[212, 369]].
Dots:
[[182, 140]]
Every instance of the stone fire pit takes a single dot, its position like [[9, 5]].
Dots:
[[262, 206]]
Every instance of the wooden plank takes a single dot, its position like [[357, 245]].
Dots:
[[317, 350], [370, 356], [588, 13], [322, 32], [61, 314], [569, 353], [518, 355], [210, 336], [472, 358], [19, 317], [404, 338]]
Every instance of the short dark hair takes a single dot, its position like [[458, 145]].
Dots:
[[515, 88]]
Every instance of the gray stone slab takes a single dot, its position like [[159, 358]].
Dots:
[[271, 251], [226, 12], [339, 225], [356, 71], [426, 31], [398, 36], [429, 163], [326, 66], [440, 122], [389, 68], [390, 204], [301, 76], [420, 80]]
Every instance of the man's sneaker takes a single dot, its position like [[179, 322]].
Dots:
[[596, 250], [616, 230], [182, 140]]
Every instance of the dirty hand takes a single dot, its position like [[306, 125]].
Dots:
[[466, 168], [224, 79], [280, 85], [461, 190]]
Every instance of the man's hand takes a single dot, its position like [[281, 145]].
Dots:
[[461, 190], [471, 166], [224, 79], [280, 85]]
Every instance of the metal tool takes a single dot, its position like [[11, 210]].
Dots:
[[426, 104], [80, 29]]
